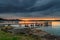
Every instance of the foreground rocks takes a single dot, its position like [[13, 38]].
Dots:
[[37, 34]]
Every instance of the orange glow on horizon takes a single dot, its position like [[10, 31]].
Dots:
[[26, 20], [39, 18]]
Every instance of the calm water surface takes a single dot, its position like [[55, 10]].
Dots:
[[54, 30]]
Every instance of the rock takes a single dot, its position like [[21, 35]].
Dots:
[[21, 31]]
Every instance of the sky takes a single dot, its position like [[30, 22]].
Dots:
[[29, 8]]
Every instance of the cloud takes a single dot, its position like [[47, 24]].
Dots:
[[30, 8], [24, 5]]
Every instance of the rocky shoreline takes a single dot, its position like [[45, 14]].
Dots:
[[35, 33], [44, 35]]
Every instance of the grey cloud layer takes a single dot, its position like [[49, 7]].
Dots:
[[30, 7]]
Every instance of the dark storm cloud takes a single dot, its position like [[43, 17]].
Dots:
[[29, 8], [23, 5]]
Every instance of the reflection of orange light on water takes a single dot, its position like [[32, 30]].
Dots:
[[55, 23], [26, 22]]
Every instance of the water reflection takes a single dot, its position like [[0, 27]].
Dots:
[[52, 30], [56, 23]]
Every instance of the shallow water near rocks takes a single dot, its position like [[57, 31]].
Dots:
[[54, 30]]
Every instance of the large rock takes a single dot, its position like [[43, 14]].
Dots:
[[20, 30]]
